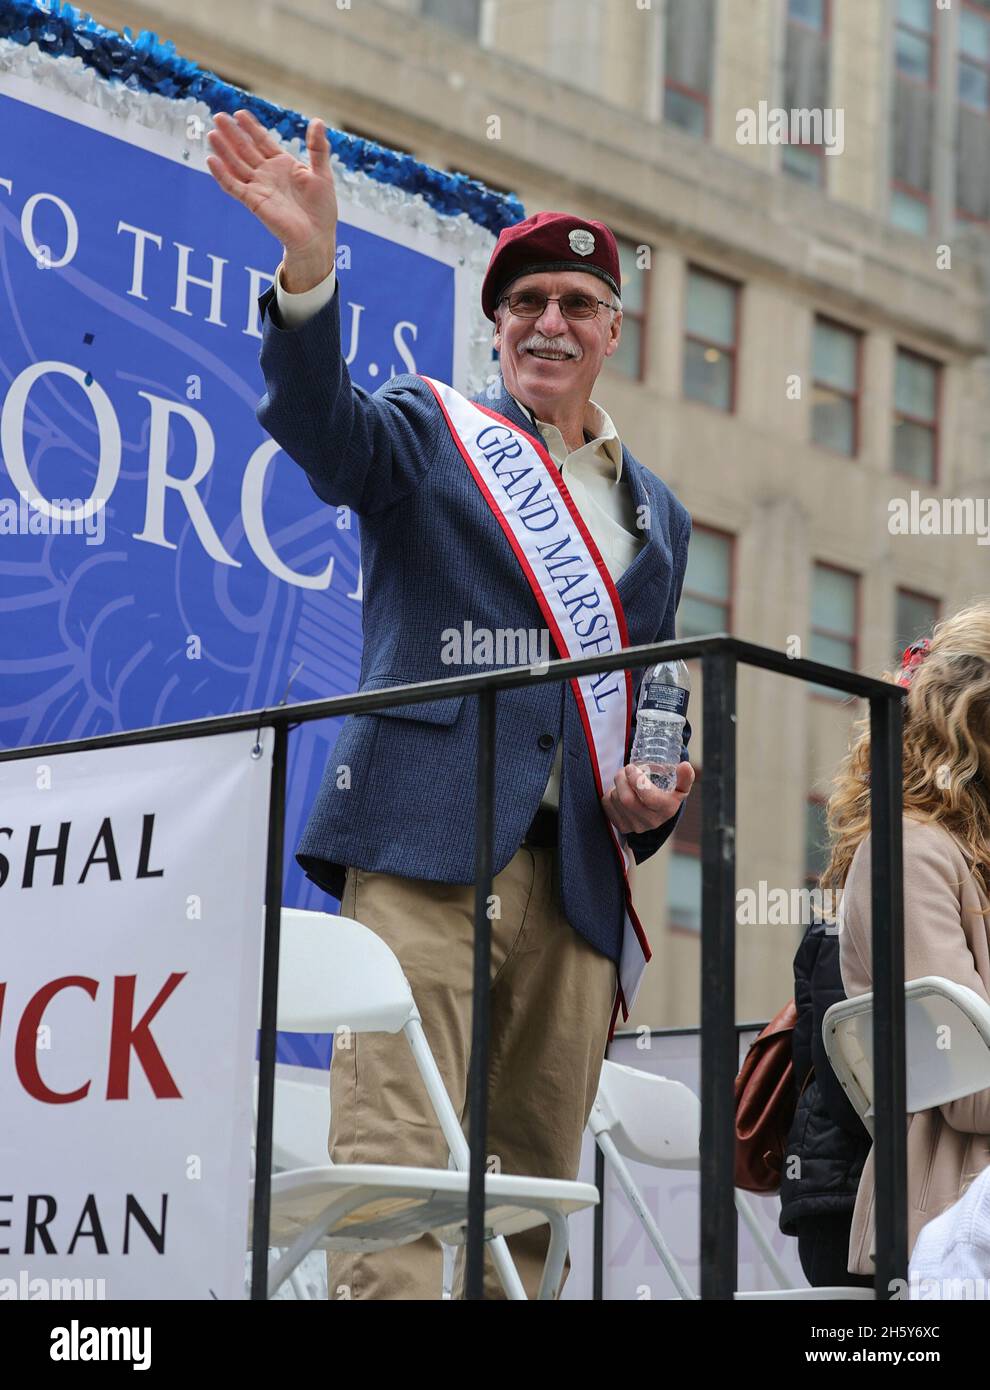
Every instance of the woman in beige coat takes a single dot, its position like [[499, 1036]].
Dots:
[[946, 890]]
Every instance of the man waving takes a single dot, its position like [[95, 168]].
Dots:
[[518, 511]]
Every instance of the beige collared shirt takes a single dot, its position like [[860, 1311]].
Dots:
[[592, 473]]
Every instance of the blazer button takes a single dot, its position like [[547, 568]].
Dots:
[[546, 742]]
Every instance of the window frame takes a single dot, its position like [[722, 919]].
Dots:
[[673, 84], [930, 84], [959, 213], [730, 603], [824, 32], [838, 697], [983, 14], [817, 150], [812, 798], [935, 427], [855, 396], [919, 196], [931, 38], [640, 316], [689, 850], [453, 28], [733, 352]]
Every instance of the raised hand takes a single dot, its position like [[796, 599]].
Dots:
[[295, 201]]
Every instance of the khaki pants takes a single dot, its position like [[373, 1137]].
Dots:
[[551, 1003]]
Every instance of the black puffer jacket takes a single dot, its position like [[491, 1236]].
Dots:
[[827, 1135]]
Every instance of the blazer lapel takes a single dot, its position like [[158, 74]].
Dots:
[[651, 563], [504, 404]]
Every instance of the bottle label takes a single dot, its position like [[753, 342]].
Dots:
[[667, 699]]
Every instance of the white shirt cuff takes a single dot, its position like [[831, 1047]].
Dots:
[[295, 309]]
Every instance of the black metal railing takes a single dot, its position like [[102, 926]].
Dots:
[[720, 657]]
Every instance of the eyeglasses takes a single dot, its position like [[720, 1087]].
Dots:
[[530, 304]]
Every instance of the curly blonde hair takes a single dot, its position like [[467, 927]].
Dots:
[[946, 750]]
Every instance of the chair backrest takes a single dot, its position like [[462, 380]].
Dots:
[[333, 973], [302, 1121], [947, 1034], [650, 1119]]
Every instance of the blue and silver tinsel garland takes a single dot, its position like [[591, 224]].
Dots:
[[149, 64]]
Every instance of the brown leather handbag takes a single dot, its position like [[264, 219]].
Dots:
[[766, 1099]]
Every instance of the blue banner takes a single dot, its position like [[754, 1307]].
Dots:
[[160, 558], [129, 370]]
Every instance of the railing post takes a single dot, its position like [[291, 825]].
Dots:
[[719, 1046], [887, 908], [598, 1257], [269, 1011], [484, 828]]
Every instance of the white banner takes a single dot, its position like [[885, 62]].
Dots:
[[131, 889]]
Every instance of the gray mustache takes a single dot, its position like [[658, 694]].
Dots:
[[548, 345]]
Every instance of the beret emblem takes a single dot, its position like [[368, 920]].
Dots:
[[582, 242]]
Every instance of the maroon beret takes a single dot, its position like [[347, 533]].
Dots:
[[550, 241]]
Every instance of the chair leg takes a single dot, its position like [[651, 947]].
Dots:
[[459, 1156], [506, 1268], [305, 1241], [749, 1216], [553, 1268], [635, 1199]]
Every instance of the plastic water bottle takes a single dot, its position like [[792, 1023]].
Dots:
[[660, 719]]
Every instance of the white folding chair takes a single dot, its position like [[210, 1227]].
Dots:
[[336, 973], [651, 1119], [947, 1038]]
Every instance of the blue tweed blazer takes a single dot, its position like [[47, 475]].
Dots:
[[433, 556]]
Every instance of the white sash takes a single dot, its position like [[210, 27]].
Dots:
[[577, 597]]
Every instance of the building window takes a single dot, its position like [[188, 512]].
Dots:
[[913, 114], [462, 15], [813, 14], [915, 616], [687, 64], [706, 599], [806, 81], [835, 390], [684, 865], [916, 391], [816, 845], [629, 358], [973, 114], [974, 55], [914, 40], [834, 622], [710, 339]]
